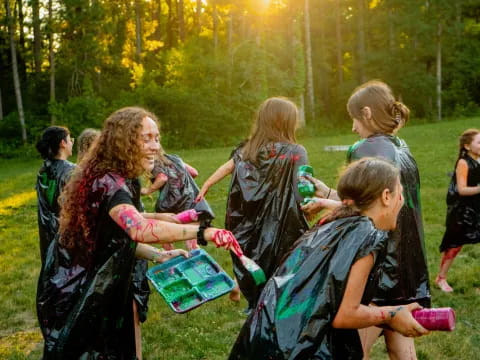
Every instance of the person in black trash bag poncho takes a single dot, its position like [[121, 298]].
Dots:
[[263, 206], [177, 189], [376, 118], [55, 147], [84, 295], [463, 205], [319, 295]]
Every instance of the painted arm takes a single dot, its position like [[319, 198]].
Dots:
[[353, 315], [462, 174], [218, 175], [168, 217], [143, 230], [158, 183]]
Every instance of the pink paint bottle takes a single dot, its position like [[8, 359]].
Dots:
[[442, 319], [187, 216]]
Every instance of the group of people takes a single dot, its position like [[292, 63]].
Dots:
[[362, 266]]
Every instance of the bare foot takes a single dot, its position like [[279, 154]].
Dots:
[[235, 294], [443, 285]]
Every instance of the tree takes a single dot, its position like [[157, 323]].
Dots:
[[308, 59], [16, 80]]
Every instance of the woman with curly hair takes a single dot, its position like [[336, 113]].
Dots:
[[84, 298]]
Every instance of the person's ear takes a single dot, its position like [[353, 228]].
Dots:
[[366, 113], [386, 197]]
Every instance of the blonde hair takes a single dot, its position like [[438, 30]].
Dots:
[[276, 121], [466, 139], [85, 141], [387, 115]]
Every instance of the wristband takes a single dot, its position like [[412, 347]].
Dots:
[[201, 232], [329, 191]]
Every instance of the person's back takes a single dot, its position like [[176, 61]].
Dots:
[[263, 202], [55, 146]]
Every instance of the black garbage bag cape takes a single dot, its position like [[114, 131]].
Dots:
[[85, 311], [298, 304], [405, 272], [463, 212], [263, 210], [51, 179], [141, 289], [179, 192]]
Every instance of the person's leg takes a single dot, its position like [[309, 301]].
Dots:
[[399, 347], [138, 332], [235, 293], [447, 260], [368, 337]]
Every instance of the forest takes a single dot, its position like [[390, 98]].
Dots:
[[203, 66]]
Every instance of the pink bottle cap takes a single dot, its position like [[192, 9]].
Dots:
[[442, 319], [187, 216]]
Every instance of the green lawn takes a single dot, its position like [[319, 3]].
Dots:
[[209, 331]]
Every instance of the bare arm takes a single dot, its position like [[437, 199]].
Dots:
[[353, 315], [218, 175], [169, 217], [318, 204], [462, 174], [151, 253], [145, 230], [158, 183], [322, 190]]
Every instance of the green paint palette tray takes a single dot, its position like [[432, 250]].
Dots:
[[186, 283]]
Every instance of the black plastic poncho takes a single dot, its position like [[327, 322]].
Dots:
[[463, 212], [51, 179], [263, 210], [298, 304], [405, 272], [141, 289], [85, 310], [179, 192]]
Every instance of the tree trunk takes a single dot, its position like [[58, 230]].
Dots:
[[170, 25], [308, 60], [439, 71], [138, 31], [16, 80], [198, 13], [323, 72], [1, 106], [22, 67], [361, 40], [51, 57], [215, 27], [37, 36], [338, 32], [181, 20]]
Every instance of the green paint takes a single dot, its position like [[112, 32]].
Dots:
[[187, 301], [51, 185], [285, 308], [214, 288], [176, 289]]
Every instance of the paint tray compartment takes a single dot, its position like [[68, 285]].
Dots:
[[186, 283]]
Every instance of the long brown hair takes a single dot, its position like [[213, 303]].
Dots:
[[361, 184], [465, 139], [276, 121], [388, 115], [118, 150]]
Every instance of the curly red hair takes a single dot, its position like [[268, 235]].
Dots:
[[118, 150]]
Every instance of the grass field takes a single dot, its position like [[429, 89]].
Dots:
[[209, 331]]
